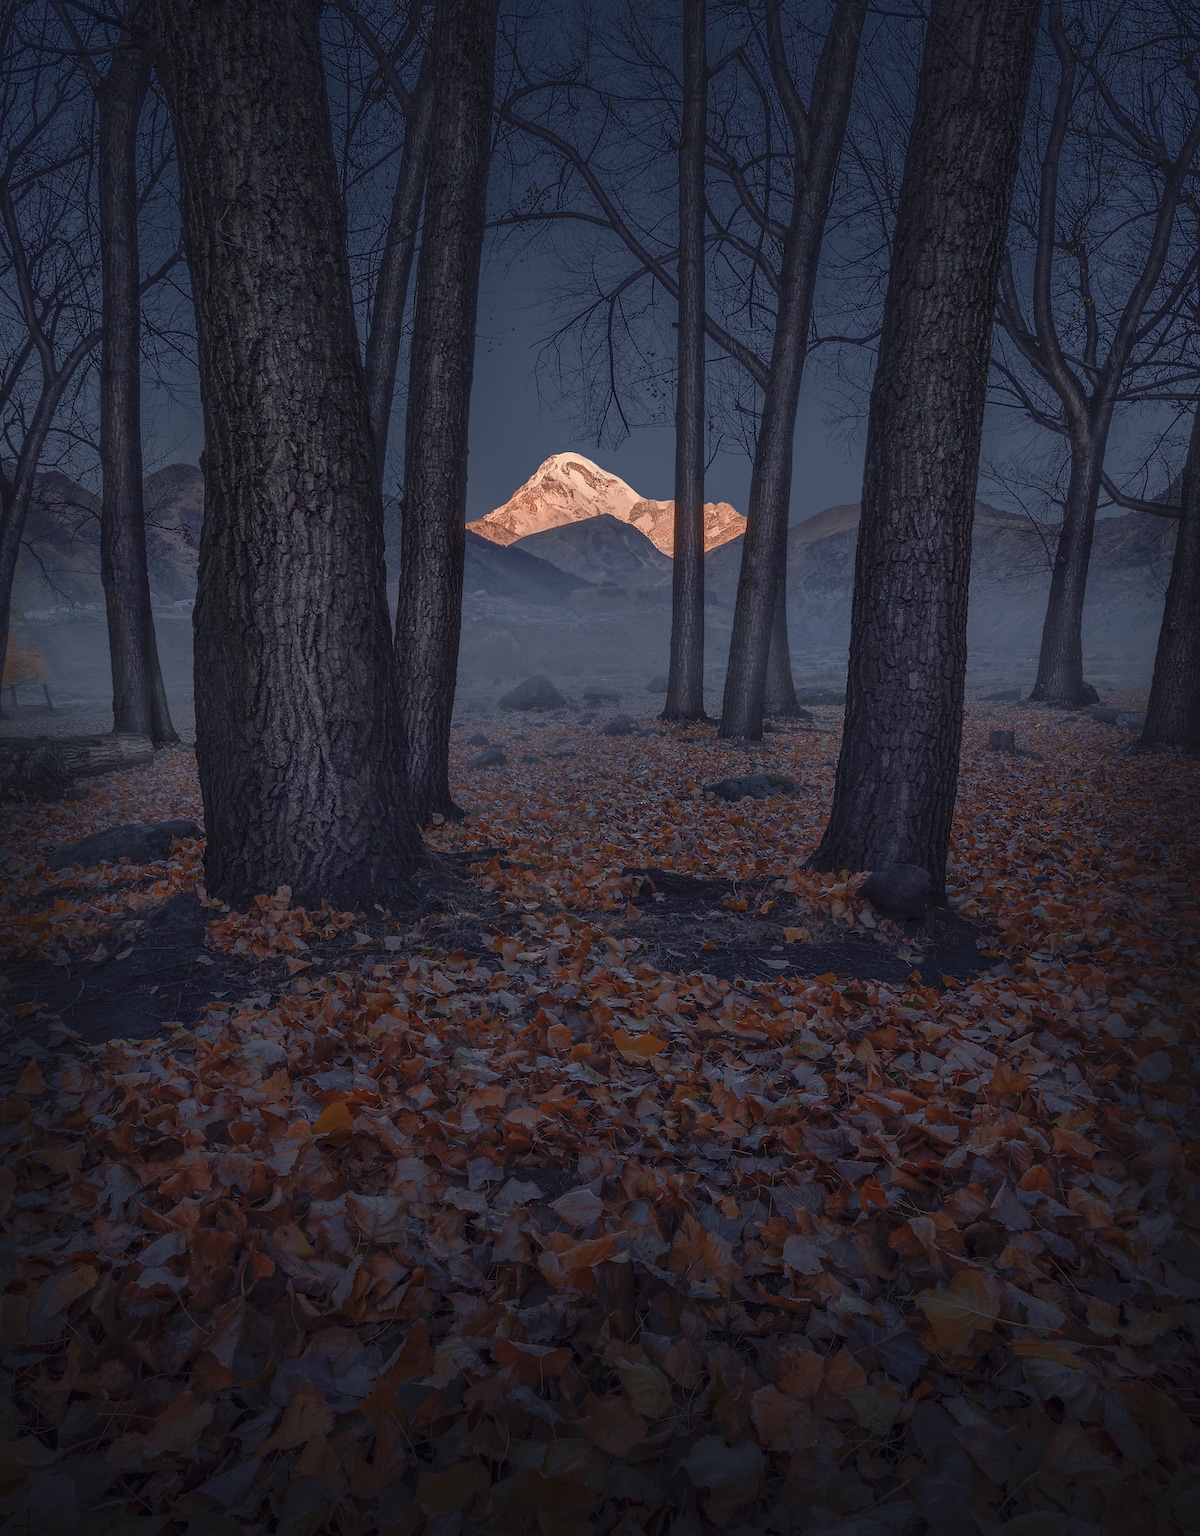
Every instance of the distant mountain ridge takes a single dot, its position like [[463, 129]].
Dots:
[[568, 488], [601, 549], [59, 565]]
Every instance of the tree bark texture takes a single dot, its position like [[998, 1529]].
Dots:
[[1173, 713], [897, 773], [298, 738], [441, 363], [685, 685], [819, 134], [139, 698], [779, 690], [395, 267]]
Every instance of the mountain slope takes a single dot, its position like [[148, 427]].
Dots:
[[1010, 579], [601, 549], [568, 488], [506, 571]]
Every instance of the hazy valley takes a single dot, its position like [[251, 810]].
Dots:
[[572, 577]]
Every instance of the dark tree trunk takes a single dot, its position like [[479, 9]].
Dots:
[[429, 611], [1173, 714], [897, 773], [139, 698], [298, 736], [685, 687], [16, 490], [1060, 661], [764, 548], [395, 267], [779, 690]]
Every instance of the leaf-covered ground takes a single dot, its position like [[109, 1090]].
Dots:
[[548, 1234]]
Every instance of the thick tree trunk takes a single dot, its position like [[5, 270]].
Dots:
[[685, 686], [298, 738], [1173, 713], [779, 690], [897, 774], [1060, 662], [395, 267], [139, 698], [429, 611], [764, 548]]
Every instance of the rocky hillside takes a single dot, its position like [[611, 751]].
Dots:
[[601, 550], [493, 570], [568, 488], [59, 565], [1010, 579]]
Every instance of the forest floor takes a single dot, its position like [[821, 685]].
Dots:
[[631, 1179]]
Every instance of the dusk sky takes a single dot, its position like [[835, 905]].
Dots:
[[511, 435]]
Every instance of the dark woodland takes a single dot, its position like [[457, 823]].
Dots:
[[651, 993]]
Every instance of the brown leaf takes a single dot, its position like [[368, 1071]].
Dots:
[[969, 1303], [379, 1218], [31, 1084], [615, 1426], [306, 1415], [178, 1428]]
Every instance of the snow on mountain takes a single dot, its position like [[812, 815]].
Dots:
[[569, 488]]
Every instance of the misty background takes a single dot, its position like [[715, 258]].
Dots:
[[534, 398]]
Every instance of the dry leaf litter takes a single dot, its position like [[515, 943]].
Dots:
[[545, 1239]]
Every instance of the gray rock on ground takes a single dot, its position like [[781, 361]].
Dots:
[[620, 725], [478, 740], [534, 693], [1003, 696], [601, 696], [899, 890], [140, 843], [1123, 718], [752, 786], [826, 696], [658, 684], [494, 757]]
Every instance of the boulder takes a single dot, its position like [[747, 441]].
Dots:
[[753, 786], [1103, 715], [139, 843], [1003, 696], [494, 757], [1131, 722], [827, 696], [620, 725], [658, 684], [478, 740], [601, 696], [534, 693], [899, 890]]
